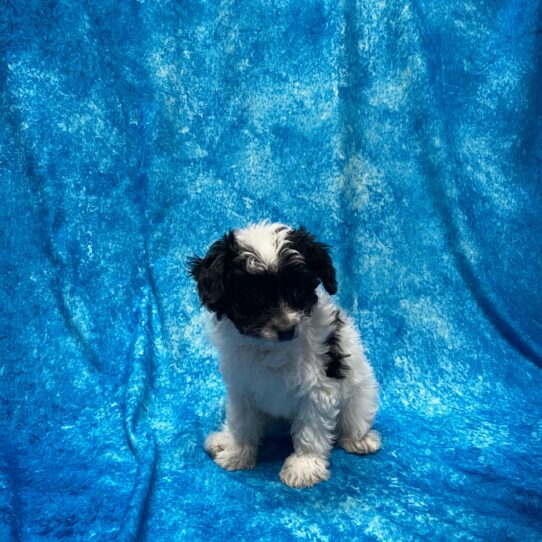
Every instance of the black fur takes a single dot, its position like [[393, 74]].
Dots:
[[256, 297], [317, 257], [335, 367], [211, 271]]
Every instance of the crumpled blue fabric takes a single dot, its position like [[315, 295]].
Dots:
[[406, 134]]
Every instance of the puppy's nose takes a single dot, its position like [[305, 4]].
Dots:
[[286, 334]]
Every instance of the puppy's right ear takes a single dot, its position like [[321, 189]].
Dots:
[[209, 273]]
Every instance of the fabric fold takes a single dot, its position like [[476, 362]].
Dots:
[[140, 437]]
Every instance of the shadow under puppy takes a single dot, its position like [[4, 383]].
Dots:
[[286, 351]]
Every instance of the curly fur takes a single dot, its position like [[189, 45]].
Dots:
[[302, 361]]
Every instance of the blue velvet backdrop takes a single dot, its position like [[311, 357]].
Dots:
[[407, 134]]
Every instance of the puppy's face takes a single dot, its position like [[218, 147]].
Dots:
[[263, 278], [271, 304]]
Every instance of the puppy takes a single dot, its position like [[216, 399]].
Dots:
[[286, 350]]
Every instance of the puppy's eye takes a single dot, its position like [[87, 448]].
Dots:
[[298, 293], [254, 296]]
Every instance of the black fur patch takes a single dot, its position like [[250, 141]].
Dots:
[[210, 273], [335, 366], [317, 257], [256, 297]]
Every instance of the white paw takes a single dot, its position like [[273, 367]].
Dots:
[[304, 470], [368, 444], [228, 453]]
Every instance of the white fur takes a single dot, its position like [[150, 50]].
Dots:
[[267, 379], [263, 244]]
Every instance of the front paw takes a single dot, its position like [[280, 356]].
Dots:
[[228, 453], [304, 470], [368, 444]]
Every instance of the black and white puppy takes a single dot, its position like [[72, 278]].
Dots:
[[286, 351]]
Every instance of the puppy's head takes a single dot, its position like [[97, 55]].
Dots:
[[264, 279]]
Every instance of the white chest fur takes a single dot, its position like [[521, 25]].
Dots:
[[267, 376], [274, 376]]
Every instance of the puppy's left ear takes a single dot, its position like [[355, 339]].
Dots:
[[316, 255]]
